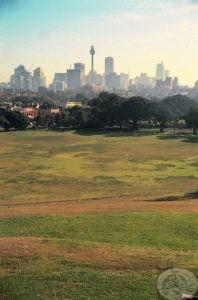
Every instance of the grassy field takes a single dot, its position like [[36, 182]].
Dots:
[[44, 165], [128, 212], [103, 256]]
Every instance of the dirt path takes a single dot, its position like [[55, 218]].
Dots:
[[21, 250], [98, 205]]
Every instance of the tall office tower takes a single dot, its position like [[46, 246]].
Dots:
[[169, 82], [59, 82], [76, 76], [196, 85], [175, 82], [160, 71], [131, 83], [142, 80], [81, 68], [93, 78], [167, 74], [38, 79], [124, 81], [21, 79], [113, 81], [109, 65]]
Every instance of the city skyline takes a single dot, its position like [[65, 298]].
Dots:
[[137, 34], [76, 77]]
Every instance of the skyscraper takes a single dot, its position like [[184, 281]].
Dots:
[[38, 79], [124, 81], [113, 81], [167, 74], [21, 79], [93, 78], [175, 82], [81, 68], [76, 76], [60, 82], [160, 71], [109, 65]]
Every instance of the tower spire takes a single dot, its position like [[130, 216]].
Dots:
[[92, 52]]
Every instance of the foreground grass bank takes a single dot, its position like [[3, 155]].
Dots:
[[102, 256], [99, 255], [174, 231], [41, 166]]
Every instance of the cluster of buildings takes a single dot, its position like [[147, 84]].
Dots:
[[33, 112], [162, 79], [75, 78], [24, 80]]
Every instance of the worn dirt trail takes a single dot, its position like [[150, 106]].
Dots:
[[97, 205]]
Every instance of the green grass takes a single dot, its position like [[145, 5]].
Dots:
[[95, 256], [172, 231], [143, 245], [45, 165], [65, 279]]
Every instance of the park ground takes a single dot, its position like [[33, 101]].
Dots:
[[95, 215]]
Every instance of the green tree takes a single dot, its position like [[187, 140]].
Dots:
[[78, 117], [18, 120], [161, 113], [135, 109], [13, 119], [179, 105], [106, 109], [44, 119], [192, 119], [3, 119]]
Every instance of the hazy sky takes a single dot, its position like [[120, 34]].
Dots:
[[54, 34]]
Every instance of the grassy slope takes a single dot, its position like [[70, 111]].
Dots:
[[174, 231], [42, 165], [98, 256], [103, 256]]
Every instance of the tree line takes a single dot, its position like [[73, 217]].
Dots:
[[111, 110]]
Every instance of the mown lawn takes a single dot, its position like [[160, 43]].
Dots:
[[160, 230], [98, 256], [44, 165]]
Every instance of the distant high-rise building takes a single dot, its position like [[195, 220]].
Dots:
[[76, 76], [169, 82], [81, 67], [167, 74], [21, 79], [159, 83], [131, 83], [143, 80], [60, 82], [196, 85], [109, 65], [109, 69], [38, 79], [124, 81], [93, 78], [175, 82], [160, 71], [113, 81]]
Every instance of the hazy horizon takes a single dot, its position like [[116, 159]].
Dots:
[[54, 34]]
